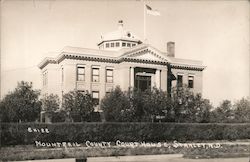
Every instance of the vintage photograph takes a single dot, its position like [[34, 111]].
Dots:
[[125, 80]]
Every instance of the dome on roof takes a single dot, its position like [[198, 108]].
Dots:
[[120, 35]]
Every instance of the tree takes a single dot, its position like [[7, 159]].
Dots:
[[59, 116], [21, 105], [203, 113], [116, 106], [135, 105], [145, 106], [155, 103], [50, 103], [51, 108], [182, 100], [190, 107], [242, 110], [78, 105], [223, 113]]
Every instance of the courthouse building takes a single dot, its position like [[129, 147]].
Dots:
[[121, 60]]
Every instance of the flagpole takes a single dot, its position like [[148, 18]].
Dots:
[[147, 10], [144, 21]]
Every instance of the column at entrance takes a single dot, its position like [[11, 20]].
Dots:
[[158, 78], [132, 77]]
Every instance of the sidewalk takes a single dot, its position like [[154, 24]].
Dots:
[[138, 158], [162, 158], [145, 158]]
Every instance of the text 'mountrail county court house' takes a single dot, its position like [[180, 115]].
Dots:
[[121, 60]]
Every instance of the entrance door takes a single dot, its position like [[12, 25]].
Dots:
[[143, 82]]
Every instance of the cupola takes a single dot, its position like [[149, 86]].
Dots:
[[118, 39]]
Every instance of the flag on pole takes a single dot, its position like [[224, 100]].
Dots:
[[151, 11]]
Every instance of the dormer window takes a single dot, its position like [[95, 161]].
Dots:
[[129, 35]]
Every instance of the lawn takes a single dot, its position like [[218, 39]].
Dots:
[[31, 152]]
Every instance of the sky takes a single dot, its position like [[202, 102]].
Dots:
[[215, 32]]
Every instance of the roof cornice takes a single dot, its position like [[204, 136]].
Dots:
[[187, 66], [125, 56], [90, 58], [143, 61], [47, 61]]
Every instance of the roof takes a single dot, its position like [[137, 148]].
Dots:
[[140, 53], [119, 34], [88, 51]]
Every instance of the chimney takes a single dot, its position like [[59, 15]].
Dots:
[[170, 49], [120, 24]]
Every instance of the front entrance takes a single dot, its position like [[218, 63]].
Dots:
[[143, 82], [143, 78]]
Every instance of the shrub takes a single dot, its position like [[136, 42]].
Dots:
[[59, 116], [17, 134]]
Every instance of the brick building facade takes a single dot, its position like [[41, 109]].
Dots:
[[121, 60]]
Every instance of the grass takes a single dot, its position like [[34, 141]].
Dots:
[[30, 152], [226, 151]]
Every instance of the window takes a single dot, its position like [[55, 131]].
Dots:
[[117, 44], [107, 45], [128, 45], [179, 80], [123, 44], [80, 73], [190, 81], [109, 75], [95, 96], [133, 44], [95, 74], [112, 44]]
